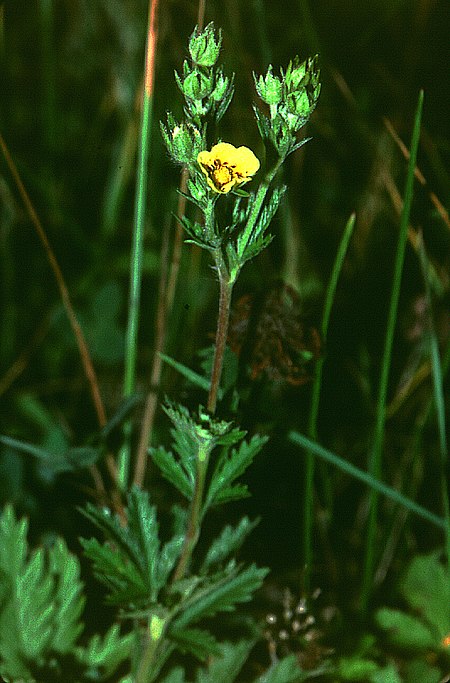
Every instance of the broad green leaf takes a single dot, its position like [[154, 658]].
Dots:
[[356, 669], [406, 631], [426, 587], [420, 670]]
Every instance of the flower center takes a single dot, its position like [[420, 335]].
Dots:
[[221, 176]]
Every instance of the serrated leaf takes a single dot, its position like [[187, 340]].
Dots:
[[113, 529], [195, 641], [221, 596], [183, 441], [35, 609], [168, 556], [228, 495], [143, 527], [122, 577], [69, 600], [107, 652], [231, 465], [229, 541], [13, 542], [172, 471], [406, 631]]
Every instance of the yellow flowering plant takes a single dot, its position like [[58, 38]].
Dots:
[[223, 168], [227, 167]]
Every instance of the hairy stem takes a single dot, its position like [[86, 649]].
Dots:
[[193, 529], [226, 288]]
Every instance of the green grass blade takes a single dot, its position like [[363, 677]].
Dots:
[[366, 478], [131, 339], [438, 391], [192, 376], [375, 460], [308, 520]]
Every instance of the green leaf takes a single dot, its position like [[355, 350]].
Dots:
[[66, 460], [419, 670], [229, 541], [228, 495], [184, 442], [426, 587], [356, 669], [287, 670], [114, 530], [168, 556], [388, 674], [172, 471], [195, 641], [114, 569], [13, 543], [68, 597], [227, 664], [221, 595], [107, 652], [406, 631], [230, 466], [174, 676], [143, 528], [34, 607]]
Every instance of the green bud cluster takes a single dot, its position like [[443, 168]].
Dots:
[[207, 91], [292, 97], [183, 140], [204, 46]]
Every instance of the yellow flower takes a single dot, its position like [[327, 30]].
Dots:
[[226, 166]]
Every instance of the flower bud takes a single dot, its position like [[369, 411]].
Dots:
[[269, 87], [221, 87], [204, 47], [183, 141], [197, 85], [295, 73]]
